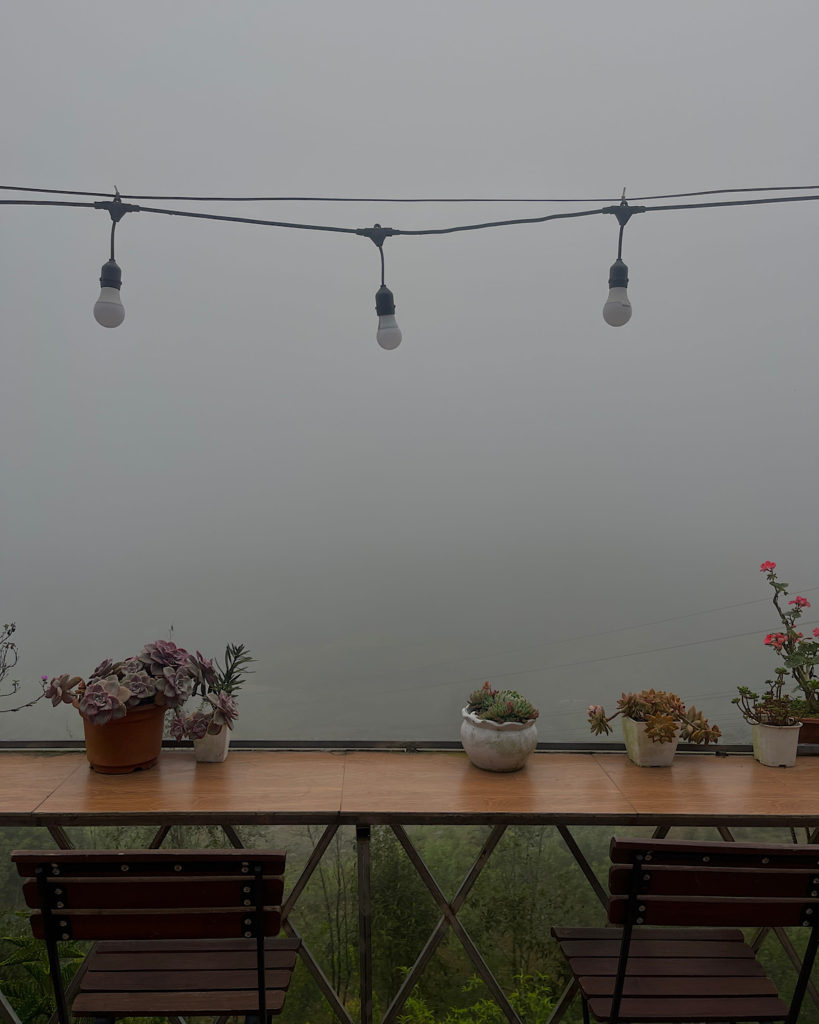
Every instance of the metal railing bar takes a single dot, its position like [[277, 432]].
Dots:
[[437, 935], [319, 976], [469, 946], [583, 864]]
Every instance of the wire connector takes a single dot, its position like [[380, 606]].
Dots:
[[623, 212], [116, 208], [376, 233]]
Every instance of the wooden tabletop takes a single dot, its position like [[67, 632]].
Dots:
[[424, 786]]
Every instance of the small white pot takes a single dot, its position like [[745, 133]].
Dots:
[[213, 746], [775, 745], [643, 751], [497, 746]]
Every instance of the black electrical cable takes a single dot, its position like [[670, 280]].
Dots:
[[387, 232], [371, 199]]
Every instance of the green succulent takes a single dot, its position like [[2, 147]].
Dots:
[[500, 705]]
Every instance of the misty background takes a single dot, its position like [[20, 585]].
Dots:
[[519, 492]]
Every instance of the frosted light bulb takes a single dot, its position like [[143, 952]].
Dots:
[[617, 310], [108, 309], [388, 334]]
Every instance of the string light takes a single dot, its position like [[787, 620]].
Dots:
[[108, 309], [110, 312], [617, 310], [388, 334]]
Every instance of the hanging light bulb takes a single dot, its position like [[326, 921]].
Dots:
[[108, 309], [617, 310], [388, 334]]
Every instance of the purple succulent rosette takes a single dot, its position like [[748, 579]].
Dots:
[[202, 672], [162, 654], [61, 689], [225, 712], [173, 687], [103, 701]]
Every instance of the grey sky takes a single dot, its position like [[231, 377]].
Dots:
[[386, 530]]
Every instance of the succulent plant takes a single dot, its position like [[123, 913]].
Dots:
[[663, 713], [217, 687], [772, 707], [161, 673], [500, 705]]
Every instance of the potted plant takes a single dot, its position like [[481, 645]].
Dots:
[[498, 729], [209, 727], [799, 654], [775, 721], [654, 721], [123, 703]]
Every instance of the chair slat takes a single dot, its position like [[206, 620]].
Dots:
[[744, 913], [678, 987], [663, 1011], [710, 880], [183, 924], [762, 855], [154, 980], [645, 947], [689, 966], [158, 893], [100, 862], [145, 1004]]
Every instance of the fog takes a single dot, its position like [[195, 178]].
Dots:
[[517, 493]]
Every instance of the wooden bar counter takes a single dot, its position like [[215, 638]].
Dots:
[[370, 787], [361, 788]]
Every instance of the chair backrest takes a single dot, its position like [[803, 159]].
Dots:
[[152, 894], [667, 882]]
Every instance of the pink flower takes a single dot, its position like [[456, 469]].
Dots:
[[775, 640], [767, 567], [800, 602], [816, 630]]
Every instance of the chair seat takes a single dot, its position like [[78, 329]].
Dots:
[[672, 975], [194, 977]]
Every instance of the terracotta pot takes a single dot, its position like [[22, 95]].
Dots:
[[497, 746], [125, 744], [643, 751], [213, 747], [775, 745], [809, 733]]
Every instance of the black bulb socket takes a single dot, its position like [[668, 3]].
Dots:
[[384, 302], [111, 275], [618, 275]]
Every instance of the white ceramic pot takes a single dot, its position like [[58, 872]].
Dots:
[[497, 746], [643, 751], [213, 746], [775, 745]]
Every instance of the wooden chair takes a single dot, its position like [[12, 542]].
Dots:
[[698, 965], [178, 931]]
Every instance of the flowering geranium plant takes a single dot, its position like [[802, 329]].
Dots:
[[663, 713], [218, 708], [799, 654], [161, 673]]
